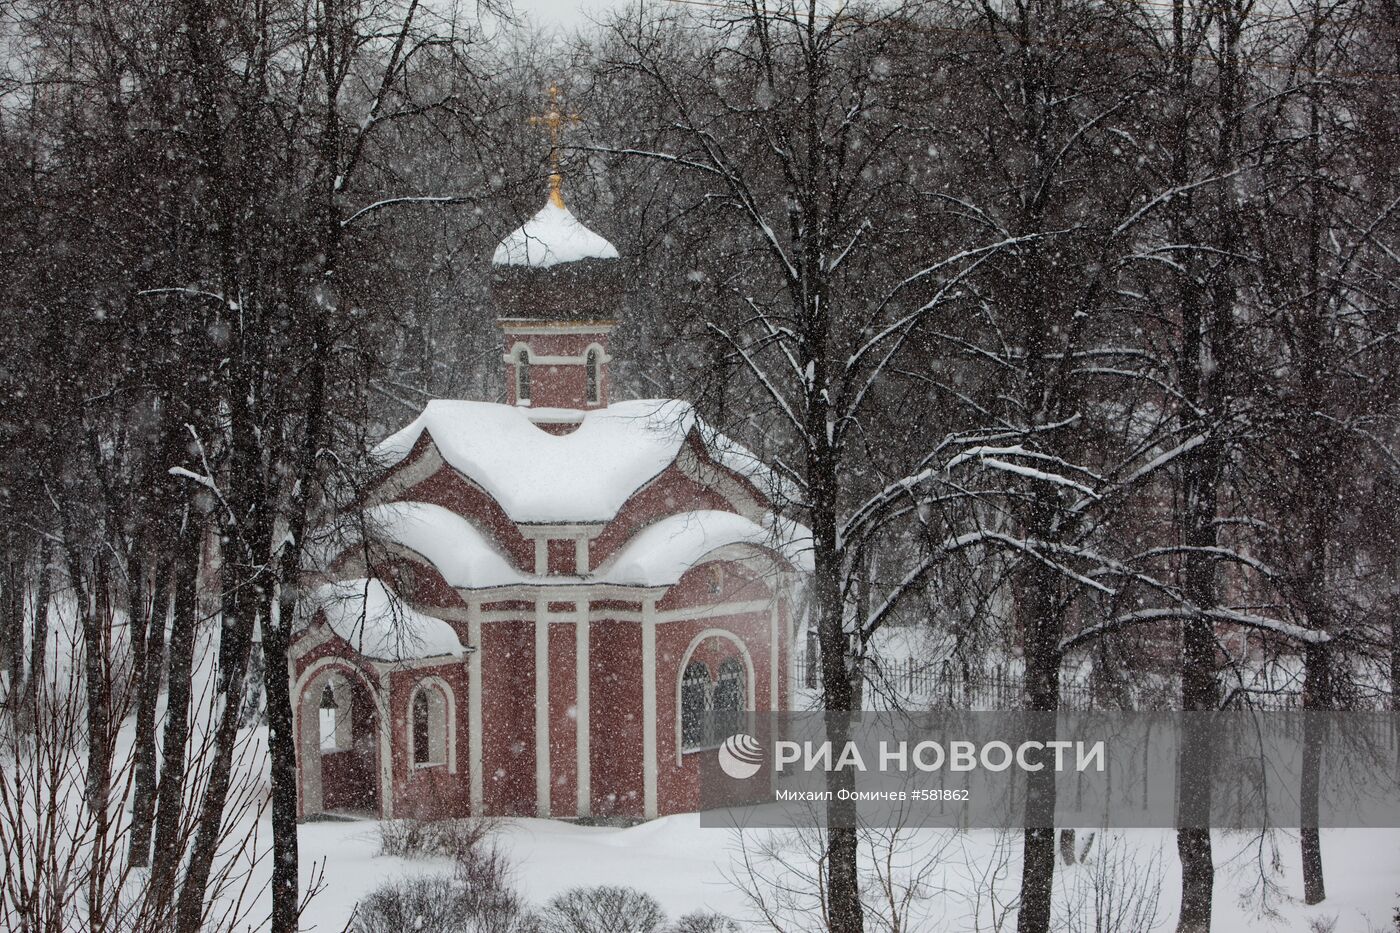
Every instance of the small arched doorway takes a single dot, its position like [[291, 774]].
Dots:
[[339, 743]]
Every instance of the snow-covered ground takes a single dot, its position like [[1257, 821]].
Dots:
[[687, 867]]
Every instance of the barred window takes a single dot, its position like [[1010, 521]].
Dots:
[[522, 375], [695, 701], [728, 699], [711, 710], [591, 367]]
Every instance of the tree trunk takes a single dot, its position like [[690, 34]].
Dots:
[[95, 620], [37, 675], [1199, 687], [169, 846], [240, 606], [143, 802], [12, 617], [1318, 487], [1042, 628], [282, 748], [1317, 689], [845, 914]]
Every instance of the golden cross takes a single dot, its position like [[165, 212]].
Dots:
[[555, 121]]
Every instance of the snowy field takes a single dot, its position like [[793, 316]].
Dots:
[[686, 868]]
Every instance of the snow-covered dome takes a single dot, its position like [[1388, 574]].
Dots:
[[552, 236]]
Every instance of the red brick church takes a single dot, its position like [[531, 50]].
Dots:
[[551, 600]]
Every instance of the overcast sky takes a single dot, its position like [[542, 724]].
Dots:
[[566, 14]]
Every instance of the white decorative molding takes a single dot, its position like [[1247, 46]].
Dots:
[[721, 480], [691, 613], [307, 642], [534, 530], [583, 595], [409, 476], [541, 359]]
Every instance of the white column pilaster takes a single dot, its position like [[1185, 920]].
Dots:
[[649, 770], [774, 646], [542, 780], [386, 753], [475, 759], [581, 709]]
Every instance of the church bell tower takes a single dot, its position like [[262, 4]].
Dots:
[[554, 285]]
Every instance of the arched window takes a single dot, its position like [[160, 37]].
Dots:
[[695, 701], [729, 699], [428, 721], [590, 365], [335, 716], [522, 375]]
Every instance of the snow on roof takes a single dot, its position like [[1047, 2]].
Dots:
[[662, 552], [552, 236], [460, 552], [583, 476], [378, 624], [658, 555]]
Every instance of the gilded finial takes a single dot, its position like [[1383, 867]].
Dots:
[[555, 121]]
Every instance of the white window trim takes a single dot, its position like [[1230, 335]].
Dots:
[[601, 358], [695, 643], [449, 725]]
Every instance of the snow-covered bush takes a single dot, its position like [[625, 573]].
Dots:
[[426, 905], [450, 839], [601, 909], [477, 897]]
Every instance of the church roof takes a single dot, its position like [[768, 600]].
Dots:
[[662, 552], [552, 236], [658, 555], [460, 552], [378, 624], [581, 477]]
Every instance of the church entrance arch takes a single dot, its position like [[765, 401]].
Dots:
[[338, 721]]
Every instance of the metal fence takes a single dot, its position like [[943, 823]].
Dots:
[[945, 685]]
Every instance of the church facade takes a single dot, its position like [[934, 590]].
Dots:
[[551, 604]]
